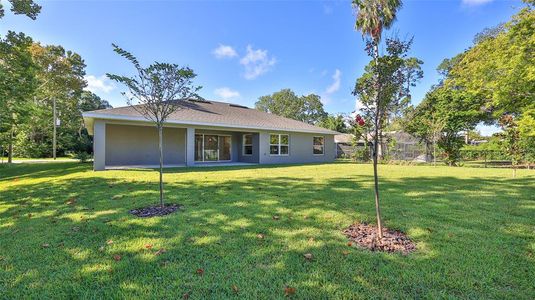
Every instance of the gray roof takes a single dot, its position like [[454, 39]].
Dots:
[[214, 113], [343, 138], [347, 138]]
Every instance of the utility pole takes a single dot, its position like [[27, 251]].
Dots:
[[55, 124]]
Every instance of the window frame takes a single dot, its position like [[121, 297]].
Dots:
[[322, 146], [279, 145], [244, 144]]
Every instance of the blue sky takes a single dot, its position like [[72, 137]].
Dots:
[[245, 49]]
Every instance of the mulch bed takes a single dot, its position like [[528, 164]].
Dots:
[[365, 236], [156, 210]]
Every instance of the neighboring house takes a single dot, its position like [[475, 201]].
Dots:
[[345, 145], [203, 132]]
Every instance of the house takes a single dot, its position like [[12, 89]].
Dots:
[[345, 144], [205, 132]]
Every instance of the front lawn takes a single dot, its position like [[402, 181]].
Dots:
[[65, 232]]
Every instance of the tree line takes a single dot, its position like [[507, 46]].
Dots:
[[41, 95], [492, 82]]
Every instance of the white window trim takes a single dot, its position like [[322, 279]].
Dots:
[[243, 144], [279, 144], [218, 135], [322, 146]]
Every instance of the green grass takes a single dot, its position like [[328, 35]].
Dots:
[[474, 229], [43, 159]]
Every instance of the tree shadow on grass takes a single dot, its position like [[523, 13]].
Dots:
[[40, 170], [472, 237]]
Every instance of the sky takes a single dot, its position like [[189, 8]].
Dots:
[[241, 50]]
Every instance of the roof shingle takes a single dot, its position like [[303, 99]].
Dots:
[[218, 114]]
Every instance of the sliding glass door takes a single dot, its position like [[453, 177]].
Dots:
[[211, 147]]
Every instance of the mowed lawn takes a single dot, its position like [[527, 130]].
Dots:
[[65, 232]]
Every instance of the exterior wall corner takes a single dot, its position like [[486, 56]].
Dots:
[[99, 145]]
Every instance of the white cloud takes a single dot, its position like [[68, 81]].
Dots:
[[98, 84], [475, 2], [335, 86], [256, 62], [224, 51], [226, 93]]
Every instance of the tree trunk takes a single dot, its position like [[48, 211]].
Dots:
[[375, 146], [160, 148], [54, 128], [376, 183], [434, 152], [428, 155], [10, 146]]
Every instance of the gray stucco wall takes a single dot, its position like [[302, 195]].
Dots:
[[118, 144], [138, 145], [300, 149]]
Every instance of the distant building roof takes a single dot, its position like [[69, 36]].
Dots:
[[212, 113], [343, 138]]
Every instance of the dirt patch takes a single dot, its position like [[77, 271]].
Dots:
[[365, 236], [156, 210]]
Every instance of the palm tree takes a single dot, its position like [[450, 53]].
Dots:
[[373, 16]]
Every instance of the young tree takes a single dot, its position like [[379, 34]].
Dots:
[[373, 16], [154, 92], [286, 103], [382, 91]]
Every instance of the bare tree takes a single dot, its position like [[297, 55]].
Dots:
[[155, 93]]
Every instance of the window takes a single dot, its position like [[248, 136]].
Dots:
[[247, 144], [279, 144], [318, 146]]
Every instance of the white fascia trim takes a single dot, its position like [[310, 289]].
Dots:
[[142, 119]]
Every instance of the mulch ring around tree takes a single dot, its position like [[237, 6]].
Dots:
[[365, 236], [156, 210]]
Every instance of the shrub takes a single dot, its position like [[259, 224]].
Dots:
[[82, 156]]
